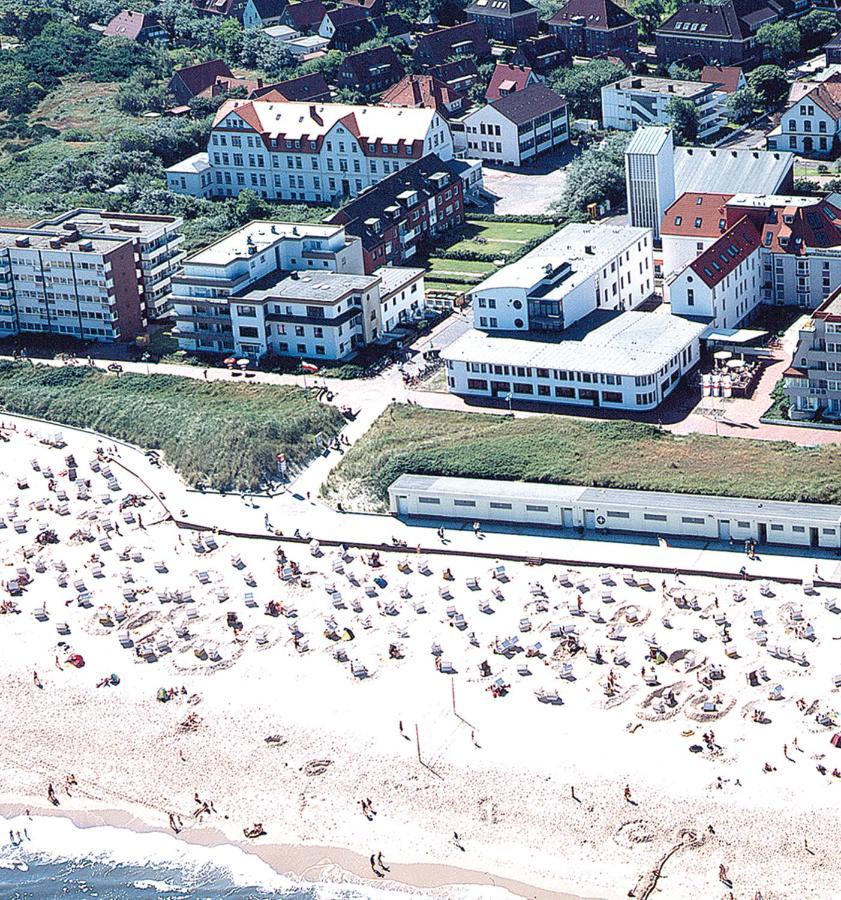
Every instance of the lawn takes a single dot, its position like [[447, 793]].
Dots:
[[218, 435], [560, 450], [79, 105], [509, 231], [466, 266]]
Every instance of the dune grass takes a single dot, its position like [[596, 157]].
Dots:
[[559, 450], [217, 435]]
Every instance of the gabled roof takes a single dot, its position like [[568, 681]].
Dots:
[[467, 39], [201, 76], [501, 8], [703, 20], [696, 215], [725, 255], [218, 7], [301, 89], [826, 95], [792, 225], [370, 63], [727, 77], [305, 15], [539, 50], [128, 24], [458, 70], [342, 15], [533, 101], [269, 9], [600, 15], [506, 79], [416, 91]]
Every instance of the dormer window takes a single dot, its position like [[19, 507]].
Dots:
[[678, 220], [698, 222], [699, 201]]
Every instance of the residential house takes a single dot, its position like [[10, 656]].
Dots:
[[518, 127], [405, 211], [341, 15], [191, 81], [459, 74], [506, 21], [144, 28], [720, 33], [221, 8], [506, 79], [542, 54], [371, 71], [351, 34], [305, 17], [192, 176], [813, 380], [372, 7], [303, 89], [640, 100], [727, 79], [811, 125], [425, 91], [438, 47], [311, 152], [262, 13], [832, 50], [591, 27]]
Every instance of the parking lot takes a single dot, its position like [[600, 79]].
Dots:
[[531, 190]]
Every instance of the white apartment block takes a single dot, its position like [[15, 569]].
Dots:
[[637, 100], [289, 290], [307, 151], [157, 242], [580, 269]]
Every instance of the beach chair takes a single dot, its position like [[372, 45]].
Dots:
[[498, 573], [447, 667], [709, 706], [129, 594], [716, 673], [628, 577], [182, 630], [40, 613], [358, 670], [564, 578], [423, 567], [473, 584], [119, 615], [763, 674], [758, 617], [596, 616], [651, 679], [128, 517], [128, 576], [574, 610], [761, 638], [617, 633], [62, 628], [776, 693], [555, 630], [497, 592], [210, 542], [198, 545], [837, 681], [570, 630], [125, 640], [720, 619], [606, 578], [420, 608], [536, 589], [288, 573], [525, 625], [809, 633], [831, 606], [337, 565], [809, 587], [607, 596], [644, 582], [261, 637], [160, 566], [105, 499], [356, 605], [20, 526], [485, 607], [551, 698], [731, 651], [566, 672], [187, 597], [698, 635], [459, 621], [451, 611], [338, 603], [444, 592], [96, 570], [315, 548], [797, 614], [799, 658], [162, 646], [213, 653], [523, 669], [436, 649], [203, 577], [84, 600], [593, 655], [619, 658]]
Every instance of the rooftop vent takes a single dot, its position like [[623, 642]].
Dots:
[[22, 241]]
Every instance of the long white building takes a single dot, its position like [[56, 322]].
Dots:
[[307, 151]]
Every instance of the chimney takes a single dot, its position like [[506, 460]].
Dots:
[[315, 116]]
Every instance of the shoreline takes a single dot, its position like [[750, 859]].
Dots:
[[310, 863]]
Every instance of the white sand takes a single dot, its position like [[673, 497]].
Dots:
[[501, 774]]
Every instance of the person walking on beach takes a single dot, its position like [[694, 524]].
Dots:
[[51, 795], [374, 868], [37, 680], [381, 864], [627, 794], [476, 528], [722, 876]]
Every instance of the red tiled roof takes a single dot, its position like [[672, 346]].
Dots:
[[515, 78], [794, 229], [598, 14], [731, 249], [421, 91], [827, 95], [696, 215], [127, 24], [725, 76], [201, 76]]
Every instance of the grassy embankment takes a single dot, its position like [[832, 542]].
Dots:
[[560, 450], [218, 435]]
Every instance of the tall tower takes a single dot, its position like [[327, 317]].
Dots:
[[650, 176]]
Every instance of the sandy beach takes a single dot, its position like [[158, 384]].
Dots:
[[493, 718]]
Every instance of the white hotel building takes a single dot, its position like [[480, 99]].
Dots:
[[558, 326], [307, 151]]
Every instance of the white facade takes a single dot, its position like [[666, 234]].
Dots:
[[650, 177], [637, 101], [807, 129], [580, 269], [679, 251], [604, 510], [492, 137], [309, 152]]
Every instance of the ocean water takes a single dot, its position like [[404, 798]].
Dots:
[[56, 859]]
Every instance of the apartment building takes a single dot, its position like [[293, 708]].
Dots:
[[813, 380], [289, 290], [62, 282], [508, 21], [518, 127], [722, 286], [811, 125], [312, 152], [157, 242], [405, 210], [593, 27], [637, 100]]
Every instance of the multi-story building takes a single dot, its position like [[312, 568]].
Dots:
[[286, 289], [813, 380], [59, 281], [593, 27], [542, 54], [312, 152], [370, 71], [436, 47], [425, 91], [811, 125], [721, 286], [506, 79], [689, 226], [650, 176], [507, 21], [156, 241], [404, 211], [639, 100], [518, 127]]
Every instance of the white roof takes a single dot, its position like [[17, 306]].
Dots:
[[259, 235], [394, 278], [630, 343], [198, 162], [698, 169], [586, 247], [295, 121], [649, 139]]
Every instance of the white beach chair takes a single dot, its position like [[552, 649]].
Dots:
[[125, 640], [485, 607], [473, 584], [831, 606], [40, 613], [566, 672], [203, 577], [261, 637], [160, 566], [619, 658], [525, 625], [758, 617]]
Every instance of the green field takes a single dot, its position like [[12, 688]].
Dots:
[[467, 266], [560, 450], [509, 231], [218, 435]]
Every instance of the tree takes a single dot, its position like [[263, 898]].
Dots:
[[770, 84], [806, 186], [327, 65], [60, 49], [680, 72], [229, 39], [597, 175], [582, 85], [114, 59], [649, 14], [740, 105], [779, 40], [684, 119], [817, 27]]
